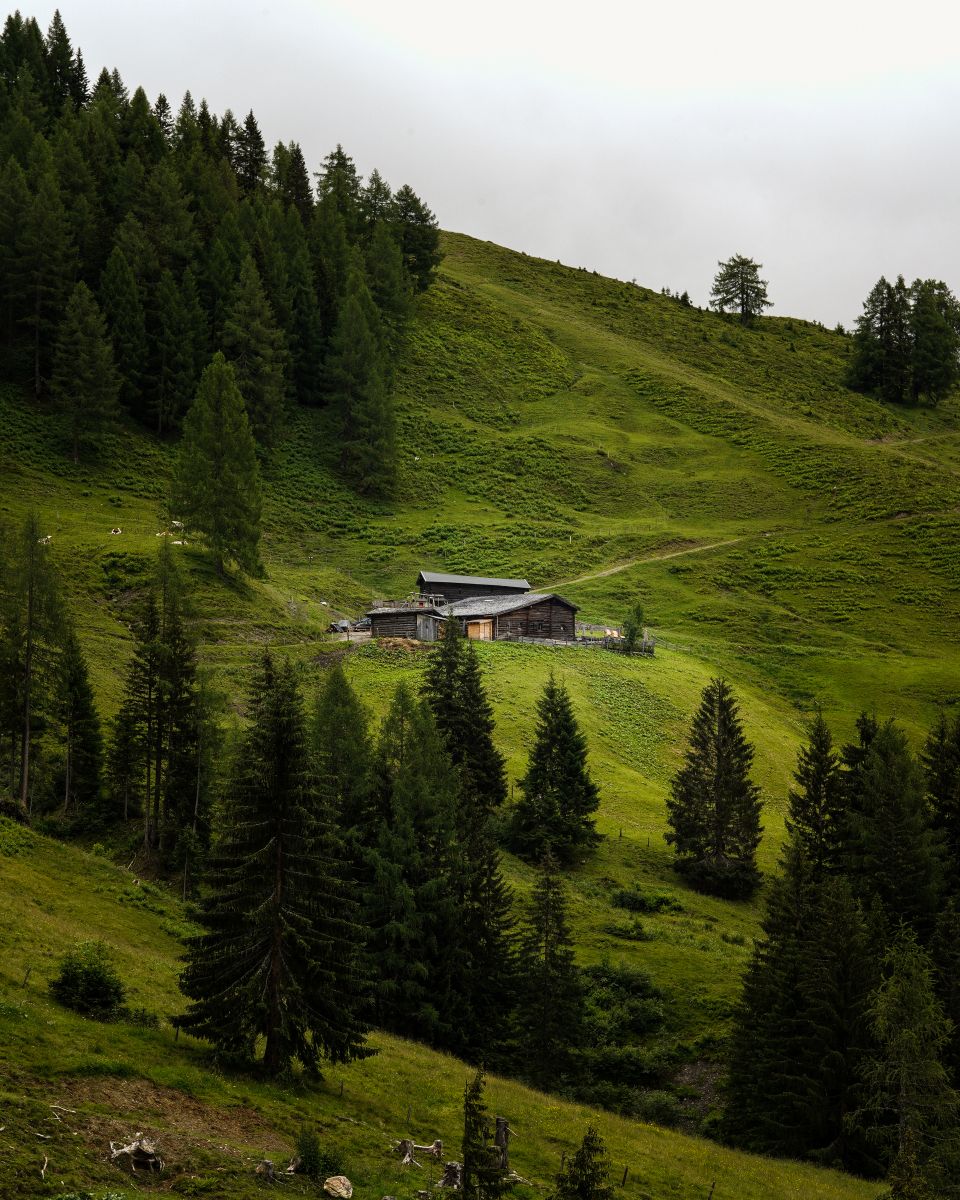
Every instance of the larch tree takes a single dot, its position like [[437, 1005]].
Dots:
[[714, 807], [737, 286], [277, 957], [216, 482], [558, 796], [86, 382]]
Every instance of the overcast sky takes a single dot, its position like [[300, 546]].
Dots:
[[644, 140]]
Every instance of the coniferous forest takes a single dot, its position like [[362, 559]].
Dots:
[[408, 849]]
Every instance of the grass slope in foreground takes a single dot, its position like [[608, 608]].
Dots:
[[213, 1127]]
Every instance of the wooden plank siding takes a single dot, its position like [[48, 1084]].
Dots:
[[549, 619]]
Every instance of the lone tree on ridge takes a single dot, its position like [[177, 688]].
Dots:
[[738, 286]]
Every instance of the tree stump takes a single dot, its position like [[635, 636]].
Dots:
[[142, 1154]]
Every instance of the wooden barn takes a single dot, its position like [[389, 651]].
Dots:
[[407, 621], [546, 617], [452, 588]]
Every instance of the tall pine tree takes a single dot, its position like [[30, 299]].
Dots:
[[277, 956]]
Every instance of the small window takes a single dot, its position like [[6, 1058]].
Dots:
[[539, 627]]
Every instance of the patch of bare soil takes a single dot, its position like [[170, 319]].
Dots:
[[188, 1133]]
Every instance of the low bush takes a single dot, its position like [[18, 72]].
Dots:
[[88, 982]]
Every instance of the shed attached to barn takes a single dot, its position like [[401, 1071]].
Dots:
[[406, 621], [544, 617]]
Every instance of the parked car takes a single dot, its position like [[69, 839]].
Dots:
[[362, 625], [341, 626]]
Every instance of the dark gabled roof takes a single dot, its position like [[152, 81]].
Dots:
[[479, 580], [496, 606]]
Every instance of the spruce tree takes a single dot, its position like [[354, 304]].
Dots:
[[340, 742], [714, 807], [85, 383], [410, 902], [174, 363], [306, 331], [419, 237], [483, 1173], [389, 288], [914, 1110], [251, 156], [45, 260], [216, 483], [940, 759], [277, 956], [338, 184], [558, 800], [550, 1015], [453, 687], [586, 1174], [893, 851], [816, 817], [80, 731], [254, 345], [361, 398], [122, 303]]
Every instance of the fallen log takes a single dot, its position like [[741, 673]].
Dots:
[[142, 1154]]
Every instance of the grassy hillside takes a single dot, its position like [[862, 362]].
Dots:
[[213, 1128], [612, 444]]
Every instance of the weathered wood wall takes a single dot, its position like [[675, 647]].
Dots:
[[549, 619]]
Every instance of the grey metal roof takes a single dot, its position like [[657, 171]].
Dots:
[[482, 581], [495, 606], [393, 609]]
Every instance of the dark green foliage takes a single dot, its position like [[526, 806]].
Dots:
[[419, 236], [31, 631], [907, 342], [389, 288], [585, 1176], [88, 982], [340, 742], [173, 360], [85, 382], [551, 1012], [816, 819], [80, 731], [338, 188], [945, 956], [633, 628], [122, 303], [43, 260], [483, 1175], [255, 347], [277, 958], [941, 764], [738, 286], [908, 1098], [892, 851], [216, 483], [714, 807], [251, 155], [800, 1031], [453, 687], [555, 813], [360, 394], [410, 902]]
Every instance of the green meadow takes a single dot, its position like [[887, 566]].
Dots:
[[603, 441]]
